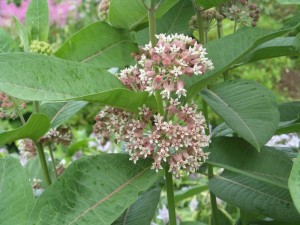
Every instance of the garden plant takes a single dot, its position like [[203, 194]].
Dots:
[[158, 71]]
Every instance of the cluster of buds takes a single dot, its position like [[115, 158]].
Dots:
[[103, 9], [241, 11], [60, 135], [177, 137], [163, 65], [41, 47], [209, 18], [27, 148], [8, 106]]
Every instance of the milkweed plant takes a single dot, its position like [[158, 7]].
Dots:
[[158, 70]]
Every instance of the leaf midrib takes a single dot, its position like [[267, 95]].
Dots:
[[110, 195], [236, 114]]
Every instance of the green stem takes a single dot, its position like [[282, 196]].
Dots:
[[152, 26], [220, 28], [170, 196], [235, 26], [213, 199], [205, 114], [52, 159], [36, 106], [21, 116], [43, 163], [200, 25]]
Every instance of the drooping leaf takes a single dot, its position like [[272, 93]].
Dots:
[[94, 190], [209, 4], [294, 183], [37, 20], [282, 46], [36, 126], [119, 16], [99, 44], [227, 51], [286, 2], [270, 165], [255, 196], [289, 111], [7, 44], [247, 107], [16, 194], [142, 211], [62, 111], [36, 77], [174, 21]]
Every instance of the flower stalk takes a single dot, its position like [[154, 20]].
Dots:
[[170, 196]]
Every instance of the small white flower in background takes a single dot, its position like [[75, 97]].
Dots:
[[193, 205], [163, 214], [285, 140]]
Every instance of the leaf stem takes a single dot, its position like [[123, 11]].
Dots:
[[152, 26], [21, 116], [235, 26], [52, 159], [200, 23], [36, 106], [170, 196], [43, 162]]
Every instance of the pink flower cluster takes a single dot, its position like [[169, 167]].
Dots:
[[59, 12], [8, 106], [163, 65], [178, 142]]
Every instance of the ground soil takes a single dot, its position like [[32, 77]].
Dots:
[[290, 83]]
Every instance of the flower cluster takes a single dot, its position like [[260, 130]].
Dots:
[[209, 18], [103, 9], [241, 11], [163, 65], [41, 47], [8, 106], [27, 148], [59, 136], [177, 136]]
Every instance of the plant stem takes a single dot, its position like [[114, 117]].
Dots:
[[21, 116], [213, 200], [200, 24], [36, 106], [235, 26], [52, 159], [152, 27], [170, 195], [43, 162], [205, 114]]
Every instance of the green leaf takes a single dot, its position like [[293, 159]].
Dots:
[[62, 111], [119, 16], [188, 193], [22, 34], [273, 222], [37, 20], [254, 196], [247, 107], [209, 4], [192, 223], [270, 165], [142, 211], [7, 44], [36, 77], [294, 183], [16, 194], [94, 190], [99, 44], [283, 46], [36, 126], [227, 51], [174, 21], [289, 111], [285, 2]]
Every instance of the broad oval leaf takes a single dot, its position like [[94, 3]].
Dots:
[[227, 51], [254, 196], [119, 16], [16, 194], [94, 190], [7, 44], [60, 112], [36, 77], [99, 44], [247, 107], [294, 183], [142, 211], [270, 165], [289, 111], [37, 125], [37, 20]]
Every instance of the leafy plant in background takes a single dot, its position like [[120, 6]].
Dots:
[[152, 107]]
